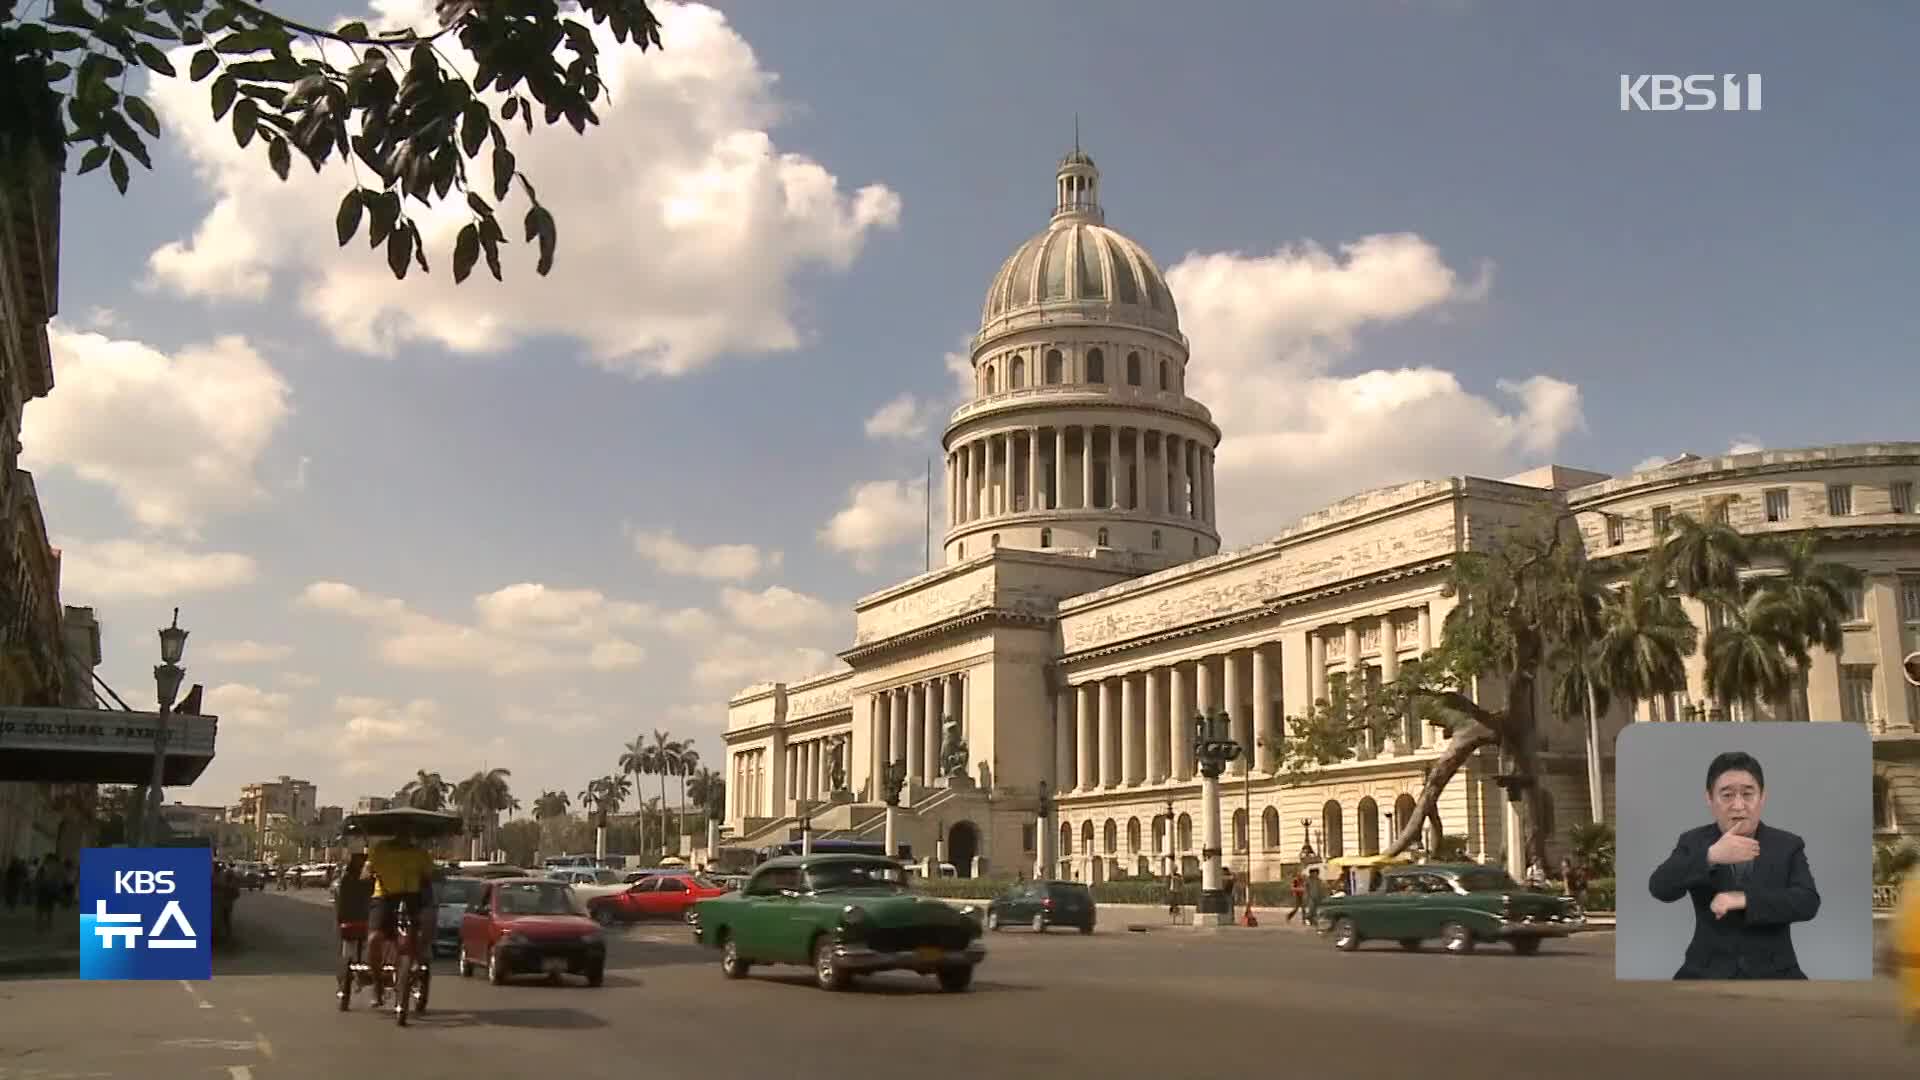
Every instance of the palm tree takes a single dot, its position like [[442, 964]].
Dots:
[[480, 798], [683, 765], [426, 791], [708, 791], [633, 762], [551, 804], [659, 762]]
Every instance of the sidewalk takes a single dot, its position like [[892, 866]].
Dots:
[[25, 950]]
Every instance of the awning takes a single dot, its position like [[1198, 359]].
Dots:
[[100, 746]]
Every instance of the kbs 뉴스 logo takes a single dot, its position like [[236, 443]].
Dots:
[[146, 913]]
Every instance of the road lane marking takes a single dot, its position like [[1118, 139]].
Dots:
[[261, 1044], [195, 995], [212, 1044], [239, 1072]]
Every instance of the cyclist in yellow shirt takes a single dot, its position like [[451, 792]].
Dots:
[[401, 872]]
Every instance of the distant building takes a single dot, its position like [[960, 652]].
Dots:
[[367, 804]]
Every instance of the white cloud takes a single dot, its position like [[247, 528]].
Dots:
[[1653, 462], [960, 368], [1746, 445], [682, 226], [373, 734], [734, 661], [879, 515], [248, 710], [524, 628], [140, 568], [174, 437], [248, 652], [777, 610], [570, 714], [905, 417], [1268, 333], [102, 318], [718, 562], [299, 680]]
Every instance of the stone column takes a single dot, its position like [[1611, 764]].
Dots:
[[1059, 468], [1007, 474], [1317, 665], [1113, 466], [1242, 722], [1063, 774], [1109, 736], [1357, 677], [1204, 701], [1132, 746], [1033, 470], [882, 743], [1179, 722], [1264, 739], [937, 704], [957, 703], [916, 734], [897, 716], [930, 745], [971, 483], [1177, 479], [1390, 667], [1084, 717], [1156, 722], [1086, 467], [1192, 470]]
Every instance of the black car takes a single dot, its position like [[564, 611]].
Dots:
[[1040, 904]]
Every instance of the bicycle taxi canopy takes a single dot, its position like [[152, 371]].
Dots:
[[393, 822]]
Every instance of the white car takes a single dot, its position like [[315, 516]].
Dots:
[[588, 882]]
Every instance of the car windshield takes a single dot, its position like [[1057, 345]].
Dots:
[[826, 877], [454, 891], [538, 898], [699, 882], [1487, 881]]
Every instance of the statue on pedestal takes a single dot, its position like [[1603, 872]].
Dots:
[[836, 765], [953, 750]]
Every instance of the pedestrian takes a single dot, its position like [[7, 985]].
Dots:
[[1577, 883], [15, 883], [1536, 874], [1316, 893], [1299, 887], [46, 892]]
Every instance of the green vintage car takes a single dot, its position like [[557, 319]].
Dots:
[[1460, 904], [842, 915]]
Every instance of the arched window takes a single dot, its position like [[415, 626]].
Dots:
[[1156, 539], [1017, 377], [1096, 366], [1240, 830], [993, 387], [1066, 839], [1086, 838], [1133, 836], [1332, 830], [1101, 538], [1882, 805], [1163, 376], [1186, 832], [1369, 814], [963, 549], [1133, 369], [994, 540], [1046, 537], [1196, 545], [1054, 366], [1112, 836], [1270, 829]]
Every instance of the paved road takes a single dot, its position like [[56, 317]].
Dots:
[[1185, 1004]]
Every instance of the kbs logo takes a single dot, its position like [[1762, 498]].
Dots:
[[1689, 93], [146, 913]]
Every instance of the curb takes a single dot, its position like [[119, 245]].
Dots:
[[48, 963]]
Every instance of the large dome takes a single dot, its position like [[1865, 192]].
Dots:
[[1077, 264]]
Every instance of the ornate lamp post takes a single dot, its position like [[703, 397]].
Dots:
[[804, 808], [891, 782], [1213, 747], [1043, 843], [167, 675]]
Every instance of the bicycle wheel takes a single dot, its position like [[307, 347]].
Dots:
[[403, 982]]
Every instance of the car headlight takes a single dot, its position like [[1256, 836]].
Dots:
[[853, 915], [971, 912]]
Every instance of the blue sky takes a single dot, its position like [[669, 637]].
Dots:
[[1407, 239]]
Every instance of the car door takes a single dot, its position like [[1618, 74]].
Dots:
[[473, 924], [763, 913], [670, 898], [634, 903]]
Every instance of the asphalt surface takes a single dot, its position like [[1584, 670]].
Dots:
[[1172, 1003]]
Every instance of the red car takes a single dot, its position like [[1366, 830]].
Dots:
[[524, 926], [656, 896]]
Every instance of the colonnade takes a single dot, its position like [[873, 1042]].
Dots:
[[906, 723], [746, 788], [1033, 468], [809, 764]]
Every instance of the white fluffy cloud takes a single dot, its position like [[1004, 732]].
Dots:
[[174, 436], [248, 652], [682, 226], [879, 515], [1269, 334], [522, 629], [248, 710], [905, 417], [116, 568], [777, 610], [733, 662], [717, 562]]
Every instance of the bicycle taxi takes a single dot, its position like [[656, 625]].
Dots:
[[410, 972]]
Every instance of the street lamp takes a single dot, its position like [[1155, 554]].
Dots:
[[891, 781], [1213, 747], [1043, 843], [806, 826], [167, 675]]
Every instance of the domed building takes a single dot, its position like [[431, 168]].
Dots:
[[1083, 613]]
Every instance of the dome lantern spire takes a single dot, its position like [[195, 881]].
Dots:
[[1076, 186]]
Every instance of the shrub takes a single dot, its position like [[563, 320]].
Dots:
[[1601, 895]]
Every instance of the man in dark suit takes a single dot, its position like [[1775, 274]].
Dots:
[[1749, 882]]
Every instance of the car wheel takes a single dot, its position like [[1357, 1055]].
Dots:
[[603, 915], [1346, 936], [993, 920], [1086, 928], [826, 970], [732, 965], [496, 968], [955, 979], [596, 975], [1526, 946], [1411, 944], [1039, 924], [1456, 939], [466, 965]]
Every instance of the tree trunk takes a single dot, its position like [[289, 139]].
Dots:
[[1465, 741], [663, 813], [1526, 763], [1596, 791]]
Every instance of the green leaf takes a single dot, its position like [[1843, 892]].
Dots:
[[250, 41], [57, 71], [117, 167], [540, 226], [502, 171], [142, 114], [203, 64], [94, 158], [246, 116], [400, 251], [347, 221], [466, 250], [474, 123], [155, 60], [353, 30], [224, 89], [478, 204], [280, 157], [275, 70], [491, 245]]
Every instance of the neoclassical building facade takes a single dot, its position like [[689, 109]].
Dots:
[[1084, 613]]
